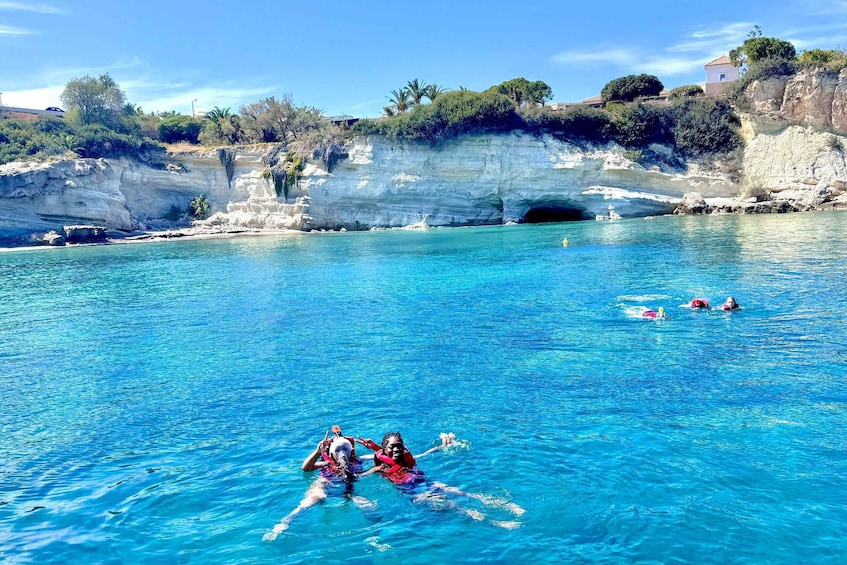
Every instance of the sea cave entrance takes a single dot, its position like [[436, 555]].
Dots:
[[544, 214]]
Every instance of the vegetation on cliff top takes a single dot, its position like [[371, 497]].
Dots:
[[100, 122]]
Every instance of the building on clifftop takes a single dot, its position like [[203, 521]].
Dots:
[[719, 73]]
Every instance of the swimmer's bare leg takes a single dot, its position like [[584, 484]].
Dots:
[[363, 503], [488, 500], [315, 494]]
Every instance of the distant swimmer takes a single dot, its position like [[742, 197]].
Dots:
[[336, 459], [656, 315], [395, 462], [730, 304], [699, 303]]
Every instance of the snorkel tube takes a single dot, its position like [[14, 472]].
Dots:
[[340, 459]]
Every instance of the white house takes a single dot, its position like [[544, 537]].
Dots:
[[719, 73]]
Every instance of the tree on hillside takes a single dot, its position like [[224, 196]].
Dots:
[[630, 87], [269, 119], [522, 92], [433, 91], [94, 100], [416, 90], [757, 48], [220, 126], [399, 100]]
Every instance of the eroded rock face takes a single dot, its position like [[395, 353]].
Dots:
[[813, 97], [492, 179], [39, 197], [799, 161]]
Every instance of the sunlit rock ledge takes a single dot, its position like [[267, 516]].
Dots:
[[473, 180]]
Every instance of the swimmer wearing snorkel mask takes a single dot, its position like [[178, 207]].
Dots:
[[335, 457]]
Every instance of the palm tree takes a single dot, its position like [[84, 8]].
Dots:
[[417, 90], [220, 115], [433, 90], [400, 100], [389, 110]]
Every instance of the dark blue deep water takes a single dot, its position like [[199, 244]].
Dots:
[[158, 399]]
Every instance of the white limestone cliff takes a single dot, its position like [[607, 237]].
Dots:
[[481, 179]]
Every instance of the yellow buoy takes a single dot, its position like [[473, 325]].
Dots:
[[565, 242]]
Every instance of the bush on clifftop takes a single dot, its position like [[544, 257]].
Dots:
[[451, 114], [630, 87]]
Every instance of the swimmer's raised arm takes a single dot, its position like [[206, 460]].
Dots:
[[312, 461]]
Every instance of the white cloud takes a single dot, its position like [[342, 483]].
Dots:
[[8, 30], [40, 8], [720, 39], [622, 57], [178, 97], [663, 66], [684, 57], [34, 98]]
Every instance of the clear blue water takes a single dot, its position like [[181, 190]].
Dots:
[[158, 399]]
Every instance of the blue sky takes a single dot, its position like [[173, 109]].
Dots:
[[345, 57]]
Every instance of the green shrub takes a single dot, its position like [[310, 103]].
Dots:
[[174, 129], [199, 207], [829, 59], [643, 124], [630, 87], [687, 91], [451, 114], [96, 141], [578, 123], [705, 125], [174, 214]]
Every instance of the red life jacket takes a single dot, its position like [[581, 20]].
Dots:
[[396, 472], [699, 303]]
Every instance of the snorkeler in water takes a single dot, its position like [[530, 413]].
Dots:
[[699, 303], [336, 459], [395, 462], [730, 304], [655, 314]]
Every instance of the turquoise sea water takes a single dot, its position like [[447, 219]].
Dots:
[[158, 399]]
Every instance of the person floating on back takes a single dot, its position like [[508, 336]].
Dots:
[[395, 462]]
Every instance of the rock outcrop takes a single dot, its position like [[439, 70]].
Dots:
[[812, 97]]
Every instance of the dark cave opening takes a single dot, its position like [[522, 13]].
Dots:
[[546, 214]]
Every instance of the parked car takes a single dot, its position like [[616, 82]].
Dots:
[[55, 109]]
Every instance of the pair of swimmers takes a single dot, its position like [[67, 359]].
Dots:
[[696, 303], [729, 304], [338, 463]]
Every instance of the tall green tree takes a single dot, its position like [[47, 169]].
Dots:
[[94, 100], [400, 100], [416, 90], [522, 92], [757, 48], [269, 119], [432, 91]]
